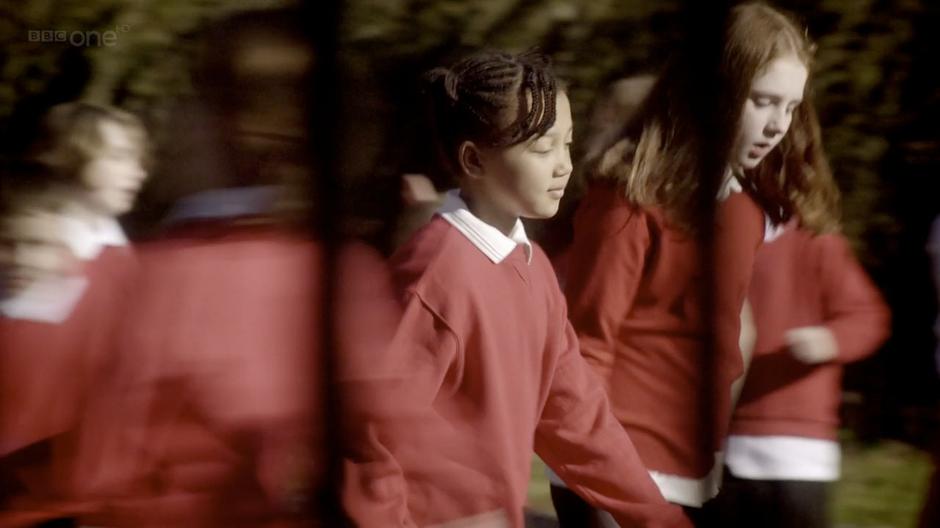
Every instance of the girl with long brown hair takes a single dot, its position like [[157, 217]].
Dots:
[[815, 309], [656, 294]]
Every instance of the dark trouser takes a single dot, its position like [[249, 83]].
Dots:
[[575, 512], [772, 503], [572, 510]]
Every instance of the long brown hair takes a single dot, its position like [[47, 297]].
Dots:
[[658, 154]]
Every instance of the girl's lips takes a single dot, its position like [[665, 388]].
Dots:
[[758, 149]]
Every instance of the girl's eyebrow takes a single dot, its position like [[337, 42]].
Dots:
[[766, 95], [773, 97], [123, 150]]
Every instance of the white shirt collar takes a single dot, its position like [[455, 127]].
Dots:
[[52, 300], [491, 241], [87, 239], [773, 231], [729, 186]]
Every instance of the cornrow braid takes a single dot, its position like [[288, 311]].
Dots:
[[494, 98]]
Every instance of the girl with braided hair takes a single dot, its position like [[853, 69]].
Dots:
[[489, 361]]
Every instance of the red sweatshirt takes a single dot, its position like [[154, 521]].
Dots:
[[48, 372], [494, 370], [804, 280], [215, 416], [635, 293]]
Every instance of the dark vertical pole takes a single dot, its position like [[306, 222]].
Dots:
[[704, 25], [325, 111]]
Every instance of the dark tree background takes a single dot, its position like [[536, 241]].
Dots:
[[876, 86]]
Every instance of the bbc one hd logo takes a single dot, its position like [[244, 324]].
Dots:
[[79, 39]]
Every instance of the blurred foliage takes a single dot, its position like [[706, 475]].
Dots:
[[864, 61], [876, 87], [883, 484], [143, 70]]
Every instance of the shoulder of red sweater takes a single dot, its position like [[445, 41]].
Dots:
[[831, 241], [119, 255], [436, 252], [220, 236], [741, 217], [741, 203], [605, 197], [183, 252], [112, 261], [605, 210]]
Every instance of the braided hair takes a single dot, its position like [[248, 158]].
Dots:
[[493, 98]]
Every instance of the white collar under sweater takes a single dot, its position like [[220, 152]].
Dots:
[[729, 185], [53, 299], [87, 239], [491, 241]]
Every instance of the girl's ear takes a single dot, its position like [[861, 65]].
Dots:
[[470, 160]]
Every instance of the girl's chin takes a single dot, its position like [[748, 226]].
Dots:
[[542, 213]]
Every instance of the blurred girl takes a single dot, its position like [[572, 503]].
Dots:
[[221, 408], [67, 271], [815, 310]]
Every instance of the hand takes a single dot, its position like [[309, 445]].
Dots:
[[417, 189], [812, 344]]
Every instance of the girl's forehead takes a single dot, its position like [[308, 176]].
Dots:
[[785, 75], [115, 135]]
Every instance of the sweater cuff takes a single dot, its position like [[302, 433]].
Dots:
[[812, 344]]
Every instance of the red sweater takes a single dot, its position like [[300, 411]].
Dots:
[[805, 280], [635, 293], [215, 416], [48, 372], [493, 369]]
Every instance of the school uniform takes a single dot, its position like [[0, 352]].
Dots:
[[636, 293], [56, 341], [217, 408], [784, 432], [495, 371]]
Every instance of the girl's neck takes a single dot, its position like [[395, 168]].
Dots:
[[489, 213], [732, 171]]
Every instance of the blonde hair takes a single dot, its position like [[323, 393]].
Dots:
[[657, 157], [71, 137]]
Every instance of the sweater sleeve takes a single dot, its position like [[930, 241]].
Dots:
[[424, 352], [605, 269], [855, 312], [579, 438]]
